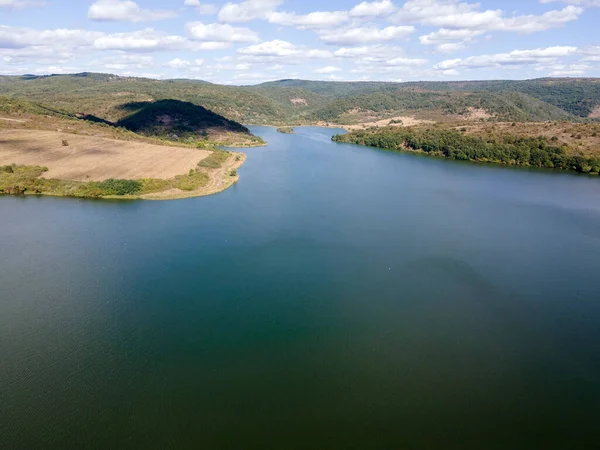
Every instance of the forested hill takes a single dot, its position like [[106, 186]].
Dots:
[[289, 102], [490, 146], [173, 116]]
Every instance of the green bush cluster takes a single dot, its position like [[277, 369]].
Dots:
[[190, 182], [15, 179], [514, 150], [215, 160], [116, 187], [285, 130]]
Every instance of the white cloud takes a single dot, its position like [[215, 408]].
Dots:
[[450, 40], [370, 51], [450, 72], [178, 63], [456, 14], [282, 49], [373, 9], [15, 37], [317, 19], [531, 23], [124, 62], [593, 54], [216, 32], [242, 67], [125, 10], [248, 10], [514, 58], [184, 64], [356, 36], [563, 70], [328, 69], [202, 8], [404, 62], [150, 40], [584, 3], [19, 3]]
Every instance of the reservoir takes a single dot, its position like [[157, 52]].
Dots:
[[337, 297]]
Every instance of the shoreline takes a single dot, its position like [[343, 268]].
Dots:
[[220, 179]]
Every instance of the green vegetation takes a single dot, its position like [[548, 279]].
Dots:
[[206, 115], [15, 179], [137, 102], [286, 130], [190, 182], [502, 107], [215, 160], [18, 106], [116, 187], [449, 143], [175, 119], [19, 180]]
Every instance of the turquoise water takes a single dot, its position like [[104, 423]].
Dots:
[[337, 297]]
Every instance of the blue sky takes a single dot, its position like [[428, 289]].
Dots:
[[247, 42]]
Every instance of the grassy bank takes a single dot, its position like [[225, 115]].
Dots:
[[220, 165], [506, 149]]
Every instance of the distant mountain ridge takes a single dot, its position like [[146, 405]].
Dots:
[[303, 101]]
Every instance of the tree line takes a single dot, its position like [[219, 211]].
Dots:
[[453, 144]]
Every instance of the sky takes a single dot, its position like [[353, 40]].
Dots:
[[252, 41]]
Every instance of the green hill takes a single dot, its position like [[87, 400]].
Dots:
[[18, 106], [291, 102], [183, 119]]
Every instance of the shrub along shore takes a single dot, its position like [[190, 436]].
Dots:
[[453, 144]]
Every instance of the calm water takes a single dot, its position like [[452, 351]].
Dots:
[[337, 297]]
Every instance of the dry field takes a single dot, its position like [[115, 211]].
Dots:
[[89, 158], [8, 119], [402, 121]]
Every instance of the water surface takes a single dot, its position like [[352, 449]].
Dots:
[[337, 297]]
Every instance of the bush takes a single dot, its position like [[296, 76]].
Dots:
[[191, 182], [233, 173], [215, 160], [65, 143], [114, 187]]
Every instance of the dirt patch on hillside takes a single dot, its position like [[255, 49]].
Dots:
[[579, 138], [89, 158], [299, 101], [400, 121], [477, 114], [595, 114]]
